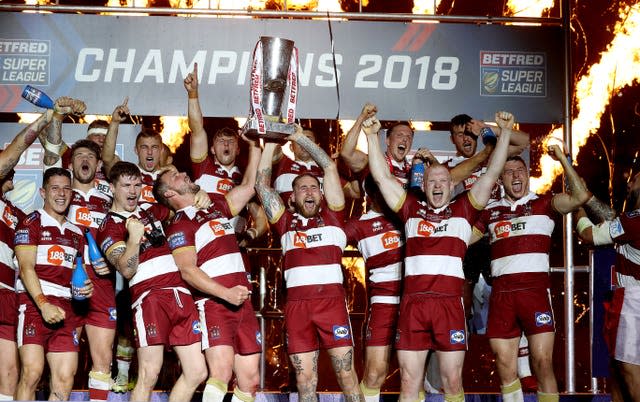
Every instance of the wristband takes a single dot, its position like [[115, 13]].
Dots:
[[41, 300], [583, 223], [193, 95], [53, 148]]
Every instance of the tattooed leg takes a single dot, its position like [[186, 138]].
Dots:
[[342, 362], [306, 368]]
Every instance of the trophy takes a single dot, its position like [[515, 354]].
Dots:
[[274, 79]]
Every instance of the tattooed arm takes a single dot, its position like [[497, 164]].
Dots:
[[11, 154], [52, 142], [125, 256], [332, 187], [270, 199], [598, 211]]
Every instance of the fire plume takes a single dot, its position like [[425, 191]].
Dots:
[[619, 66], [174, 128]]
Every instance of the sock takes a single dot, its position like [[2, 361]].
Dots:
[[123, 359], [4, 397], [459, 397], [548, 397], [99, 385], [421, 396], [370, 394], [524, 370], [214, 391], [512, 392], [240, 396]]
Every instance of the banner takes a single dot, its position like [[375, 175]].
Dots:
[[412, 71]]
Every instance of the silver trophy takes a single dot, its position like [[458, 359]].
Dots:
[[273, 90]]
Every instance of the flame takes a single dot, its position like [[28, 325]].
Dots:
[[421, 125], [619, 66], [356, 266], [28, 118], [361, 145], [174, 128], [37, 3], [89, 118], [425, 6], [127, 3], [528, 8]]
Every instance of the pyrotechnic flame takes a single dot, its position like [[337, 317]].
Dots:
[[90, 118], [37, 3], [174, 128], [425, 6], [345, 126], [528, 8], [127, 3], [356, 266], [421, 125], [618, 67]]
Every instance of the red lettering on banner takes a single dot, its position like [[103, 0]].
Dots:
[[55, 255]]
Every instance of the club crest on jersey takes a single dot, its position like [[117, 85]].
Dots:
[[543, 319], [214, 332], [457, 336], [152, 331], [195, 327], [113, 314], [341, 332], [30, 330]]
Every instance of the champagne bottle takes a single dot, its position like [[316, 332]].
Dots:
[[37, 97], [78, 279], [94, 252]]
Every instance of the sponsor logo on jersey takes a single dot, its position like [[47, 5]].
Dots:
[[113, 314], [224, 186], [177, 240], [341, 332], [57, 256], [426, 228], [505, 228], [21, 237], [615, 228], [302, 239], [543, 319], [106, 243], [8, 218], [376, 226], [83, 216], [147, 194], [457, 336], [258, 338], [391, 240], [74, 335], [45, 235], [195, 327], [220, 228]]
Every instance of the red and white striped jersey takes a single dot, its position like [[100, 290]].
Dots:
[[381, 244], [215, 178], [146, 193], [312, 249], [287, 170], [520, 237], [57, 246], [156, 267], [436, 242], [11, 215], [625, 232], [211, 233]]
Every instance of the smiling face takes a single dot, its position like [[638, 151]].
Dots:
[[515, 179], [126, 192], [465, 144], [399, 142], [84, 165], [148, 151], [56, 194], [306, 196], [438, 186]]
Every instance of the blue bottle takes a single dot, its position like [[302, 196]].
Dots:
[[78, 278], [417, 175], [488, 136], [94, 251], [37, 97]]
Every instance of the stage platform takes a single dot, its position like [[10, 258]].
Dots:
[[336, 397]]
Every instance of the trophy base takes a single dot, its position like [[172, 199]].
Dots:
[[276, 131]]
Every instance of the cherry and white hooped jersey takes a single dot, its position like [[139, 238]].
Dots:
[[11, 215], [215, 178], [436, 242], [287, 170], [146, 193], [312, 249], [381, 244], [156, 267], [520, 238], [466, 184], [56, 249], [625, 232], [211, 233], [88, 210]]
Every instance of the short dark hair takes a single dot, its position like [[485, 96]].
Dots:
[[98, 123], [123, 169], [224, 132], [295, 181], [54, 171], [148, 133], [395, 124], [459, 120], [159, 188], [84, 143], [516, 158]]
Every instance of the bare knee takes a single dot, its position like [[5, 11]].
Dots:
[[374, 375], [30, 375], [148, 376]]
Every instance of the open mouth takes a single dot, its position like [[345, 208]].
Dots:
[[516, 186], [402, 148], [84, 168]]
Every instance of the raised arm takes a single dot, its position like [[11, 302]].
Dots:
[[125, 257], [355, 159], [119, 115], [269, 197], [481, 189], [332, 187], [52, 142], [186, 259], [199, 145], [390, 188], [240, 195], [464, 169], [518, 142], [577, 193]]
